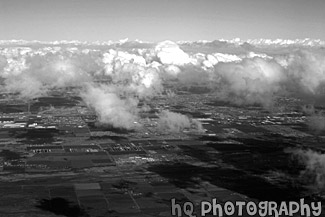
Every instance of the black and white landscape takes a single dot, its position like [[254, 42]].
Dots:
[[118, 127]]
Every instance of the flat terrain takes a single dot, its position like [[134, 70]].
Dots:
[[69, 167]]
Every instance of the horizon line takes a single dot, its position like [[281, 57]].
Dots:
[[125, 40]]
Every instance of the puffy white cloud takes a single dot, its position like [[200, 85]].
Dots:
[[32, 74], [110, 108], [307, 69], [172, 70], [169, 53], [132, 71], [250, 81]]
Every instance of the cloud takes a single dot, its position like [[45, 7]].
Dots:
[[32, 74], [169, 53], [26, 86], [249, 81], [307, 70], [314, 172], [110, 108], [132, 74], [242, 75], [127, 76], [175, 122]]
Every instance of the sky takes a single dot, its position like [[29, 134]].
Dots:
[[157, 20]]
